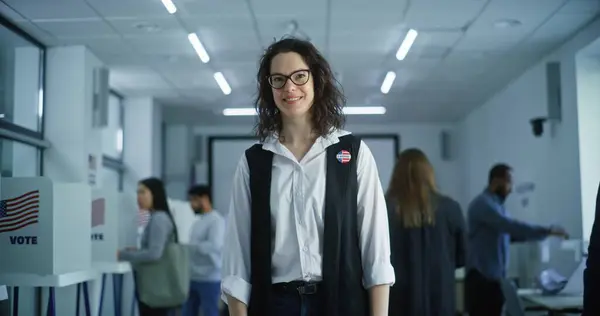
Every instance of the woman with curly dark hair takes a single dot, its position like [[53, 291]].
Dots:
[[307, 229]]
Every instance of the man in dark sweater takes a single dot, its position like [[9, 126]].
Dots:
[[591, 277]]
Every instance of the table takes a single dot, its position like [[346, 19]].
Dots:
[[555, 304], [117, 270], [16, 280]]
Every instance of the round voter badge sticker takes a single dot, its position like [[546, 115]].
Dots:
[[344, 156]]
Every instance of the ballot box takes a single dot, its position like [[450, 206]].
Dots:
[[44, 226]]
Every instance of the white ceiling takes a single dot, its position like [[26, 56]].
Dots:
[[458, 60]]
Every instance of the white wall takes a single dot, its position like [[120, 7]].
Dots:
[[424, 136], [142, 141], [499, 131], [588, 107]]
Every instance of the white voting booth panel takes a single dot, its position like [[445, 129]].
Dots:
[[184, 218], [113, 224], [44, 226]]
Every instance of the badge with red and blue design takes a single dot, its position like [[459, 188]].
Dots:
[[344, 156]]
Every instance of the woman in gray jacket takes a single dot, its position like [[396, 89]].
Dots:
[[151, 196]]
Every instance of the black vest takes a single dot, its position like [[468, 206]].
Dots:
[[342, 292]]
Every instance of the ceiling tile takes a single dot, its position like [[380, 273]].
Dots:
[[130, 8], [436, 38], [73, 28], [561, 26], [53, 10], [223, 34], [311, 26], [131, 27], [442, 15], [581, 7], [206, 8], [531, 14]]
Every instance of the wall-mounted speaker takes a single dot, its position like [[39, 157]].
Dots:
[[554, 91], [100, 97], [445, 146]]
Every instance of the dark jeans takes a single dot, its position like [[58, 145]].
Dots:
[[294, 304], [483, 296], [5, 308], [203, 296], [146, 310]]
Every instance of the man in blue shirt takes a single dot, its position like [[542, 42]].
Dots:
[[490, 230]]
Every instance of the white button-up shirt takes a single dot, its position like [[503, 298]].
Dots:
[[297, 210]]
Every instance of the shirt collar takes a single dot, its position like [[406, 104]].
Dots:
[[273, 144]]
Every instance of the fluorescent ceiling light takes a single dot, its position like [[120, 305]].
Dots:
[[222, 83], [349, 110], [198, 47], [170, 6], [240, 112], [388, 81], [364, 110], [407, 43]]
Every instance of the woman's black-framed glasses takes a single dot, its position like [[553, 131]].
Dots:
[[298, 77]]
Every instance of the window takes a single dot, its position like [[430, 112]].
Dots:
[[112, 144], [21, 78], [19, 160], [112, 135], [21, 102]]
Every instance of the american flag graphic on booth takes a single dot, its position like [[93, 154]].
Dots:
[[98, 210], [143, 218], [19, 212]]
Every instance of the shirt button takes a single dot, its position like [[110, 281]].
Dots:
[[305, 249]]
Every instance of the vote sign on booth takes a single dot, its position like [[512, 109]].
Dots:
[[42, 226]]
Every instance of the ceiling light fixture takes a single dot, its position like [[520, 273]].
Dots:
[[349, 110], [240, 112], [198, 47], [388, 81], [407, 43], [364, 110], [222, 83], [507, 23], [170, 6], [148, 27]]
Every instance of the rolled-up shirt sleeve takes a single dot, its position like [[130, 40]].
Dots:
[[373, 223], [236, 250]]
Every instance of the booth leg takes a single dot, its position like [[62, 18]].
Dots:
[[51, 309], [78, 300], [86, 300], [133, 303], [15, 301], [135, 297], [101, 303], [118, 293]]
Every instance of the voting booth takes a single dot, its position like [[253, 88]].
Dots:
[[113, 224], [184, 218], [44, 226]]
